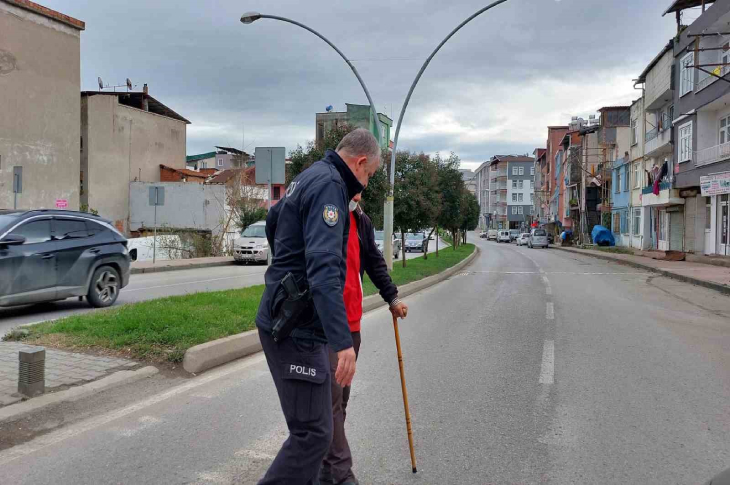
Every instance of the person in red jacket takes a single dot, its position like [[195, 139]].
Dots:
[[362, 256]]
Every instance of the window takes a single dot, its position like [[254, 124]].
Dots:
[[686, 74], [616, 223], [634, 132], [220, 162], [617, 185], [532, 198], [532, 170], [35, 232], [724, 130], [532, 184], [514, 184], [624, 222], [277, 193], [514, 197], [627, 176], [708, 214], [203, 164], [532, 210], [521, 184], [94, 228], [519, 197], [637, 222], [514, 170], [520, 210], [514, 210], [685, 142], [69, 229], [637, 175], [522, 171]]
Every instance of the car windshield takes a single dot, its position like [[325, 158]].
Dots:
[[379, 235], [255, 231], [525, 234], [540, 232], [414, 236], [6, 220]]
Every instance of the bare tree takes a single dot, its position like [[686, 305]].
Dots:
[[243, 204]]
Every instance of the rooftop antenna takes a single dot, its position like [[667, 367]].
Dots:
[[129, 85], [103, 86]]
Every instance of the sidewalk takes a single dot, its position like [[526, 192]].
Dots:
[[139, 267], [62, 369], [710, 276]]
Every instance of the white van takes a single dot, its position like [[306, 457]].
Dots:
[[503, 236]]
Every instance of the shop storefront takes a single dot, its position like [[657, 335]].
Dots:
[[717, 188]]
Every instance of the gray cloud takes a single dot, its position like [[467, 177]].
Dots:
[[492, 89]]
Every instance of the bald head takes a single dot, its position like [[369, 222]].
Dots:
[[361, 152]]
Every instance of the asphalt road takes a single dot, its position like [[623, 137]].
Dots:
[[531, 366], [150, 286]]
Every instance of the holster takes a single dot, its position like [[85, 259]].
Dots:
[[290, 304]]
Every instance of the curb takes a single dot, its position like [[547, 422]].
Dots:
[[164, 269], [73, 394], [217, 352], [686, 279]]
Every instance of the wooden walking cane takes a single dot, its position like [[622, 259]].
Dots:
[[405, 393]]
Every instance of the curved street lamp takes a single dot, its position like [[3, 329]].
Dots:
[[251, 17], [388, 216]]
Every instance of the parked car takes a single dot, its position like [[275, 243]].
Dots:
[[483, 234], [492, 234], [503, 236], [397, 244], [416, 241], [514, 234], [538, 238], [523, 239], [51, 255], [252, 246]]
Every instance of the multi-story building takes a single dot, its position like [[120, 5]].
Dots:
[[498, 192], [40, 71], [554, 156], [125, 137], [469, 179], [539, 205], [635, 176], [520, 191], [660, 215], [357, 115], [699, 182], [481, 176]]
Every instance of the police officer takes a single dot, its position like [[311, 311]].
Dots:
[[307, 232]]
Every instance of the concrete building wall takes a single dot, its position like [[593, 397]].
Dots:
[[126, 145], [187, 206], [39, 108], [658, 79]]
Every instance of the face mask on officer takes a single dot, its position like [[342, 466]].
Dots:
[[355, 200]]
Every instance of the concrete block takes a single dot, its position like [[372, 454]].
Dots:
[[211, 354]]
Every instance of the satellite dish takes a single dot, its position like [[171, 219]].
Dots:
[[328, 108], [101, 84], [129, 84]]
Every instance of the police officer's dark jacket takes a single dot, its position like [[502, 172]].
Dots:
[[307, 232], [371, 260]]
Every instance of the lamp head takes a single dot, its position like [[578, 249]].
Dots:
[[250, 17]]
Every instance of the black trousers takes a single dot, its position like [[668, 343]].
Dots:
[[301, 372], [337, 465]]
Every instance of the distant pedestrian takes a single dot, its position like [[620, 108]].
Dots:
[[302, 311], [363, 257]]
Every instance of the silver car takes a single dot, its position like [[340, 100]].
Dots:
[[252, 246], [538, 238], [379, 235]]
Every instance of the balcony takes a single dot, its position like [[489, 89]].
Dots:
[[658, 141], [667, 196], [715, 154], [707, 81]]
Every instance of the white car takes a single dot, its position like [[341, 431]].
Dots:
[[538, 238], [379, 235], [523, 239], [252, 246], [503, 236]]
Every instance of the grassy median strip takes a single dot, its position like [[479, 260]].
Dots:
[[162, 330]]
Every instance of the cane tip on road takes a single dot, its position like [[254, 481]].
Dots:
[[414, 470]]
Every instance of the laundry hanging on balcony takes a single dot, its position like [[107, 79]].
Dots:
[[657, 180]]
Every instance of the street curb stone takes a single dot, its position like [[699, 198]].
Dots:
[[163, 269], [217, 352], [73, 394], [686, 279]]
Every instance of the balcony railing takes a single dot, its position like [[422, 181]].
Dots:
[[650, 135], [711, 79], [710, 155], [650, 188]]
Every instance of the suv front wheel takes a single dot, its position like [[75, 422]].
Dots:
[[104, 288]]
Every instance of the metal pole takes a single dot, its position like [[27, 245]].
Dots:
[[154, 241], [271, 168], [388, 209]]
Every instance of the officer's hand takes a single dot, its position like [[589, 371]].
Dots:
[[400, 310], [345, 367]]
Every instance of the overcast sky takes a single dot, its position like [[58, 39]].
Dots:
[[492, 89]]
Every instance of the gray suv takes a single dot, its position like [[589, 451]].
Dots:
[[50, 255]]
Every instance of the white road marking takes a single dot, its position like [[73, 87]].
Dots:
[[53, 438], [548, 290], [547, 370], [550, 311], [197, 282], [559, 273]]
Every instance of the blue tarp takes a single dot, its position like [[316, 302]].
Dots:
[[602, 236]]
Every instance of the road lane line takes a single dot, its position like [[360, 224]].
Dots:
[[196, 282], [548, 290], [550, 311], [547, 370]]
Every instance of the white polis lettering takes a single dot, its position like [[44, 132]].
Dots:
[[304, 371]]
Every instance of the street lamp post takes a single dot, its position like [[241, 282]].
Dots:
[[388, 210], [251, 17]]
